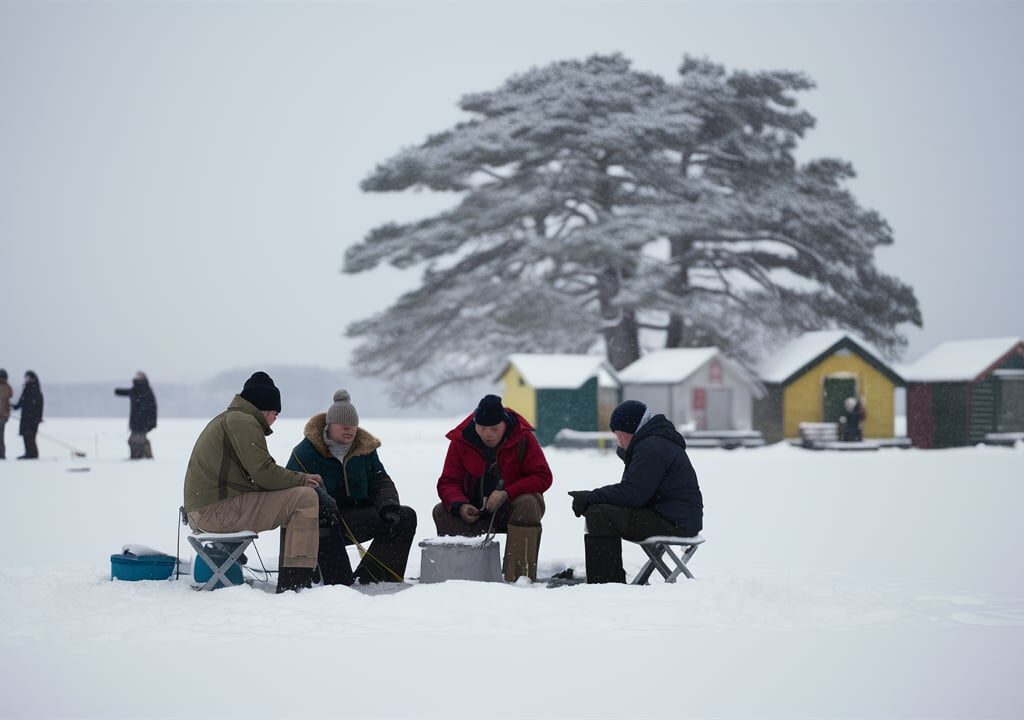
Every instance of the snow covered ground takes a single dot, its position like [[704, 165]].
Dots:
[[882, 584]]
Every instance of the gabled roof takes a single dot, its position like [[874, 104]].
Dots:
[[668, 366], [804, 352], [561, 371], [961, 360], [674, 365]]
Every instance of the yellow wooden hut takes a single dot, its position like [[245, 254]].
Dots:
[[809, 379]]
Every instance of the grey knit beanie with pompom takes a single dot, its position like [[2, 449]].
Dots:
[[342, 412]]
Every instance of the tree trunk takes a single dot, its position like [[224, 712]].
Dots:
[[621, 334], [675, 335], [623, 341]]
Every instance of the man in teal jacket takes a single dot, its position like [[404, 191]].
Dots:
[[345, 456]]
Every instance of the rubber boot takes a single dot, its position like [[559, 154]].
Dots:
[[136, 449], [335, 567], [294, 578], [604, 559], [521, 549]]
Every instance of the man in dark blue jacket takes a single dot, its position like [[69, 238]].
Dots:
[[658, 493], [141, 415]]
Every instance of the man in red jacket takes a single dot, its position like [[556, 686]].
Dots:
[[495, 467]]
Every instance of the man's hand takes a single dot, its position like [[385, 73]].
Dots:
[[329, 513], [495, 500], [579, 501], [391, 519], [468, 513], [313, 480]]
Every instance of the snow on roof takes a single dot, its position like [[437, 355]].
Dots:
[[671, 365], [959, 360], [561, 371], [780, 365]]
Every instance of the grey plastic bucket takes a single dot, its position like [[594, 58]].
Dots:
[[460, 559]]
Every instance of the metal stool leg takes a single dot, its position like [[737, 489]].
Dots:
[[644, 576], [662, 568], [655, 552], [219, 570]]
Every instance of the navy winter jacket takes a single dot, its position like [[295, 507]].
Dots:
[[659, 476]]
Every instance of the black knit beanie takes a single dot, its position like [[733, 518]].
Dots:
[[490, 411], [627, 416], [260, 391]]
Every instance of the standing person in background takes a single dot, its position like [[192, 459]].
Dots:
[[5, 409], [850, 421], [141, 415], [31, 406]]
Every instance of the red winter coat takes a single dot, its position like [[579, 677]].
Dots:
[[520, 460]]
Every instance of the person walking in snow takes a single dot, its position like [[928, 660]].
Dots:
[[5, 409], [31, 406], [496, 469], [363, 498], [657, 495], [233, 484], [141, 415]]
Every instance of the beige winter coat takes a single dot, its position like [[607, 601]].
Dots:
[[5, 400]]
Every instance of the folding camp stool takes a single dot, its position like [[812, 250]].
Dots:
[[236, 542], [660, 545]]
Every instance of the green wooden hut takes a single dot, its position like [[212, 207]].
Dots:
[[963, 391], [556, 391]]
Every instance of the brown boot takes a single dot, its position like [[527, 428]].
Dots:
[[521, 548]]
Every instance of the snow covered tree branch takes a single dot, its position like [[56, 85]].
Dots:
[[599, 204]]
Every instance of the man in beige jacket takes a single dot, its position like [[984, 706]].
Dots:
[[5, 409], [232, 483]]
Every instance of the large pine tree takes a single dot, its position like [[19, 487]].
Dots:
[[600, 204]]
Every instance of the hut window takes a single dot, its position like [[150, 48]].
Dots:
[[715, 371]]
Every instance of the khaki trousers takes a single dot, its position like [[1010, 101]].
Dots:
[[295, 508]]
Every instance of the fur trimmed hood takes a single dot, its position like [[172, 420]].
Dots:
[[363, 444]]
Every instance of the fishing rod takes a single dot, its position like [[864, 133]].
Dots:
[[75, 452]]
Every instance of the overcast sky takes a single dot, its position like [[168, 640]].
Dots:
[[179, 181]]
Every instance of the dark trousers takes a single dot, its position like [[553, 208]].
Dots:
[[3, 448], [138, 445], [31, 449], [386, 558], [608, 525]]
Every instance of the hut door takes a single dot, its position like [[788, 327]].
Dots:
[[949, 408], [1011, 403], [834, 394], [719, 409]]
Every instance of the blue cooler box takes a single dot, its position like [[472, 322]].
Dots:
[[141, 567], [201, 573]]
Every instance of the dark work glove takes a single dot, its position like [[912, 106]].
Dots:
[[579, 501], [329, 512], [391, 519]]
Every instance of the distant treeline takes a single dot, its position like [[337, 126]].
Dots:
[[305, 391]]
